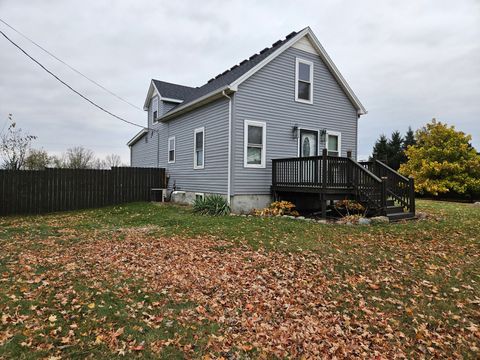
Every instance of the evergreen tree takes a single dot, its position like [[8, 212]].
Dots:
[[409, 138], [380, 149], [395, 150]]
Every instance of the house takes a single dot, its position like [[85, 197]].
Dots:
[[287, 101]]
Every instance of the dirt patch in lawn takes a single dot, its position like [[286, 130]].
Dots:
[[271, 303]]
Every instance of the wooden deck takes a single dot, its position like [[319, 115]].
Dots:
[[372, 183]]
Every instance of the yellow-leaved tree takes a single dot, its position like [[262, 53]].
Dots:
[[443, 161]]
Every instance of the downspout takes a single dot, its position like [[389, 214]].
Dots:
[[229, 169]]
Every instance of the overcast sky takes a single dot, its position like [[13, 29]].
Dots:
[[407, 61]]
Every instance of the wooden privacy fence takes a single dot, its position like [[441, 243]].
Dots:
[[43, 191]]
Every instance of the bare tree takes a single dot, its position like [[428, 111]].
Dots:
[[37, 160], [112, 160], [14, 146], [79, 158]]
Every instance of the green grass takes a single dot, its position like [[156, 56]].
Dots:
[[423, 272]]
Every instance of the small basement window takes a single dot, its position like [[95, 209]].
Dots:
[[254, 147], [199, 196], [199, 148], [171, 149], [304, 81]]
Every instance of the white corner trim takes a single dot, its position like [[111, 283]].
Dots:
[[335, 133], [299, 61], [195, 132], [263, 125], [174, 150]]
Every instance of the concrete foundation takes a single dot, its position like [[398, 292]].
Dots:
[[239, 204], [244, 204]]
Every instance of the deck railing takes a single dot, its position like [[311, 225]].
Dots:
[[398, 187], [324, 173]]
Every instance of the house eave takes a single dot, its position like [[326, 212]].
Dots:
[[212, 96], [137, 137]]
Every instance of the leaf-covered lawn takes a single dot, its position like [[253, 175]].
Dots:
[[148, 280]]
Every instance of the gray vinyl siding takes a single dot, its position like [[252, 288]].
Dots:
[[213, 177], [167, 106], [269, 96], [144, 153]]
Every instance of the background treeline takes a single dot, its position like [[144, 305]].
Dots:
[[16, 153], [442, 160]]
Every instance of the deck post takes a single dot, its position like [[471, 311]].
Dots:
[[384, 195], [323, 201], [411, 183]]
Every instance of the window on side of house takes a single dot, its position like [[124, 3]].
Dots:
[[199, 148], [255, 144], [171, 149], [304, 81], [154, 109], [199, 196], [334, 141]]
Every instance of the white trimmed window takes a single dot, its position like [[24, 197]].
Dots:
[[303, 81], [154, 109], [255, 144], [199, 148], [171, 149], [334, 143]]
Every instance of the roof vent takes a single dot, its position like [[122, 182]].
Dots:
[[292, 34], [233, 67], [277, 43], [243, 62], [209, 81], [253, 56], [264, 50], [226, 71]]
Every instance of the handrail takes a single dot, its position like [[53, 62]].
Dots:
[[399, 187], [369, 187]]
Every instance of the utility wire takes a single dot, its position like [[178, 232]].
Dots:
[[71, 88], [70, 67]]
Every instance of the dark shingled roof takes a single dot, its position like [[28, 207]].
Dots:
[[189, 94], [173, 91]]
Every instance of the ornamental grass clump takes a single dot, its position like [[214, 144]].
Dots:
[[277, 208], [215, 205]]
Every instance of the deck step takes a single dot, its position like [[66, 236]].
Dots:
[[400, 216], [394, 209]]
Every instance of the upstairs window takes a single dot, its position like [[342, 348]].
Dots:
[[254, 147], [333, 143], [154, 109], [171, 149], [198, 146], [304, 81]]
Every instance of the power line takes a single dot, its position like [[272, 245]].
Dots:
[[71, 88], [71, 67]]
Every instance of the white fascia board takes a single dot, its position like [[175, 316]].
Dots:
[[136, 137], [152, 90], [198, 102], [323, 55]]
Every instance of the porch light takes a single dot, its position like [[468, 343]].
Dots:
[[295, 132]]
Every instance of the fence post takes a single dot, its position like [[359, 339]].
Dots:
[[411, 183]]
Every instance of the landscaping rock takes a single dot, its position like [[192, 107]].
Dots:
[[300, 218], [364, 221], [421, 215], [379, 220], [322, 221], [477, 203]]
